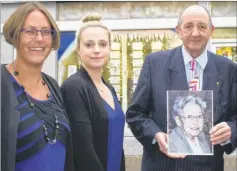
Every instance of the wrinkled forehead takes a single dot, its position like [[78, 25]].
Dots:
[[192, 109], [195, 14]]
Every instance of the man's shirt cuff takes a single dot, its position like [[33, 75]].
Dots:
[[225, 143]]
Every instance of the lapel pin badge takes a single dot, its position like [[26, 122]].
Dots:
[[217, 83]]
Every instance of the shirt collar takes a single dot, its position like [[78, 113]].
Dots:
[[194, 142], [202, 59]]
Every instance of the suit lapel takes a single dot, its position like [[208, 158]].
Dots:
[[177, 73], [213, 81], [204, 143], [184, 142], [177, 78], [211, 78]]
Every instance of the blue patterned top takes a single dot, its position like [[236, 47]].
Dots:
[[32, 151]]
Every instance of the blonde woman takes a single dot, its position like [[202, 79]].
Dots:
[[35, 128], [96, 116]]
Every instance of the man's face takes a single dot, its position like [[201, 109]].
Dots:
[[192, 120], [195, 31]]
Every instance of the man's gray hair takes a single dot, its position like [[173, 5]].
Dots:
[[181, 15], [180, 103]]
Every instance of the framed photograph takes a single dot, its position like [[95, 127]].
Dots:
[[189, 120]]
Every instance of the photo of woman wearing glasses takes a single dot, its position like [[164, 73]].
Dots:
[[189, 134]]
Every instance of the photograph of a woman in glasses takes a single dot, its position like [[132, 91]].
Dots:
[[189, 134]]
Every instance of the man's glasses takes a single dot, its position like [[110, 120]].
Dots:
[[45, 33]]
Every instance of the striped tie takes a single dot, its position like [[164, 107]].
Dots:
[[194, 76]]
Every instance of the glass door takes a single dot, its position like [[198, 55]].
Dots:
[[114, 72], [227, 50], [139, 45], [128, 52]]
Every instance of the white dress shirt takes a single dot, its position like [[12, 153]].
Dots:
[[201, 64]]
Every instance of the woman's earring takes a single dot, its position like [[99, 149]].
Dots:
[[78, 59]]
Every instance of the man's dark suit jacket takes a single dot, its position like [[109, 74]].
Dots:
[[146, 116]]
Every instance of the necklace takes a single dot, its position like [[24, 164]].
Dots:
[[16, 73], [99, 88], [32, 105]]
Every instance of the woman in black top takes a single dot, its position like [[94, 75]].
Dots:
[[92, 105]]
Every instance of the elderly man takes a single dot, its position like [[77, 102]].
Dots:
[[188, 136], [174, 70]]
